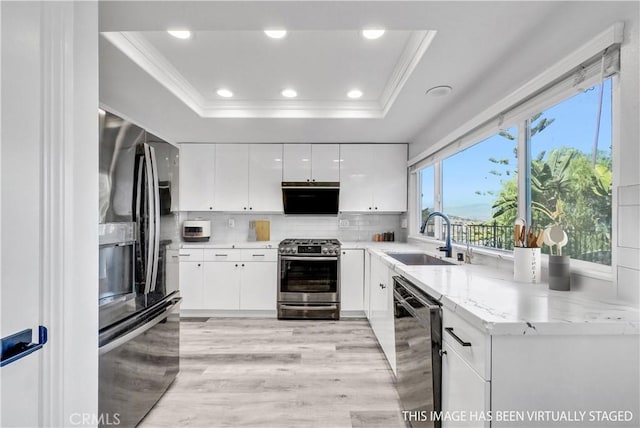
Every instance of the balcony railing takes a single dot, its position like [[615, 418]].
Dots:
[[589, 246]]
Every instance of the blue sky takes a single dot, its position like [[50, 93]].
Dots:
[[468, 171]]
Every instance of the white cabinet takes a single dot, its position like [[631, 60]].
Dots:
[[463, 390], [248, 177], [311, 162], [373, 177], [231, 177], [352, 281], [197, 177], [191, 271], [258, 285], [381, 309], [265, 177], [228, 279]]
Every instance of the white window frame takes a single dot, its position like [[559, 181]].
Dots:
[[541, 93]]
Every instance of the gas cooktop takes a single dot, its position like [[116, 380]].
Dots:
[[311, 247]]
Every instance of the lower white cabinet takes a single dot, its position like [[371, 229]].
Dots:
[[229, 280], [191, 279], [464, 392], [381, 308], [352, 281]]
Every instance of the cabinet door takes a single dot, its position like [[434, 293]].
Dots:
[[232, 177], [221, 288], [367, 284], [265, 177], [389, 192], [197, 177], [258, 288], [463, 390], [297, 162], [191, 276], [382, 321], [352, 280], [355, 178], [325, 162]]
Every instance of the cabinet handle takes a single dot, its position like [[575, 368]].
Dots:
[[222, 255], [376, 208], [344, 252], [455, 336], [242, 264], [307, 180], [442, 352], [258, 255], [245, 208], [185, 255], [383, 286], [236, 264], [210, 208], [198, 264], [250, 208], [369, 207]]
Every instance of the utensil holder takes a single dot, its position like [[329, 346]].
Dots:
[[526, 264], [559, 273]]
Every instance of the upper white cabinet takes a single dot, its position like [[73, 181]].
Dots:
[[373, 177], [232, 177], [311, 162], [265, 177], [248, 177], [197, 177]]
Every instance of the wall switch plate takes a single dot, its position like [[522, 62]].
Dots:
[[232, 222], [404, 224], [344, 223]]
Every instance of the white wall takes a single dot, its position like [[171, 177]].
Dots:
[[360, 227], [626, 167]]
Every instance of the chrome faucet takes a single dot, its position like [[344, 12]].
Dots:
[[447, 245]]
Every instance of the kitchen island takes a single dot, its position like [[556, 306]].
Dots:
[[518, 354]]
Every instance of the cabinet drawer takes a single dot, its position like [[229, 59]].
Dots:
[[469, 342], [190, 255], [222, 255], [260, 255]]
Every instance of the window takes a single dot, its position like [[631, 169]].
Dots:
[[571, 173], [427, 196], [479, 191]]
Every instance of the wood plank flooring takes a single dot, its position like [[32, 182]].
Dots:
[[239, 372]]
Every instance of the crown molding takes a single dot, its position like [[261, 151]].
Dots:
[[137, 48]]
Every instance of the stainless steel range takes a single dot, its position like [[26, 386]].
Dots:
[[309, 279]]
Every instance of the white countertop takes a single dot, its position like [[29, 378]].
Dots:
[[493, 302]]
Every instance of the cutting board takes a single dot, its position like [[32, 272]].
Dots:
[[263, 230]]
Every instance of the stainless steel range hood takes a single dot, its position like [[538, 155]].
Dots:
[[310, 198]]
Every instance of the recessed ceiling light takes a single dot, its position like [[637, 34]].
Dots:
[[439, 91], [289, 93], [180, 34], [276, 33], [372, 33], [354, 93], [225, 93]]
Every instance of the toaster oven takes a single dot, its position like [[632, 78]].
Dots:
[[196, 230]]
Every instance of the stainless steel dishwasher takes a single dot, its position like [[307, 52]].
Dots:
[[418, 335]]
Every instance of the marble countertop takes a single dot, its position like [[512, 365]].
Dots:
[[492, 301]]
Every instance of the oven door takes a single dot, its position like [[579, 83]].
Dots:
[[308, 279]]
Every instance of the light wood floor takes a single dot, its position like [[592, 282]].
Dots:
[[279, 374]]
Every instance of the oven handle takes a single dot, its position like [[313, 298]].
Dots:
[[306, 308], [308, 259]]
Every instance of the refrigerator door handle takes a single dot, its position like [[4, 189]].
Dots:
[[151, 223], [171, 306], [156, 217]]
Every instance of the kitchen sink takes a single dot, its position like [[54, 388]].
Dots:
[[418, 259]]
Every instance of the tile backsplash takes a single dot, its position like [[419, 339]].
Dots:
[[235, 227]]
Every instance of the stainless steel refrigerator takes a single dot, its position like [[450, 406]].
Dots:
[[138, 299]]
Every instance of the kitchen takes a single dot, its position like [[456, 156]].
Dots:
[[118, 56]]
